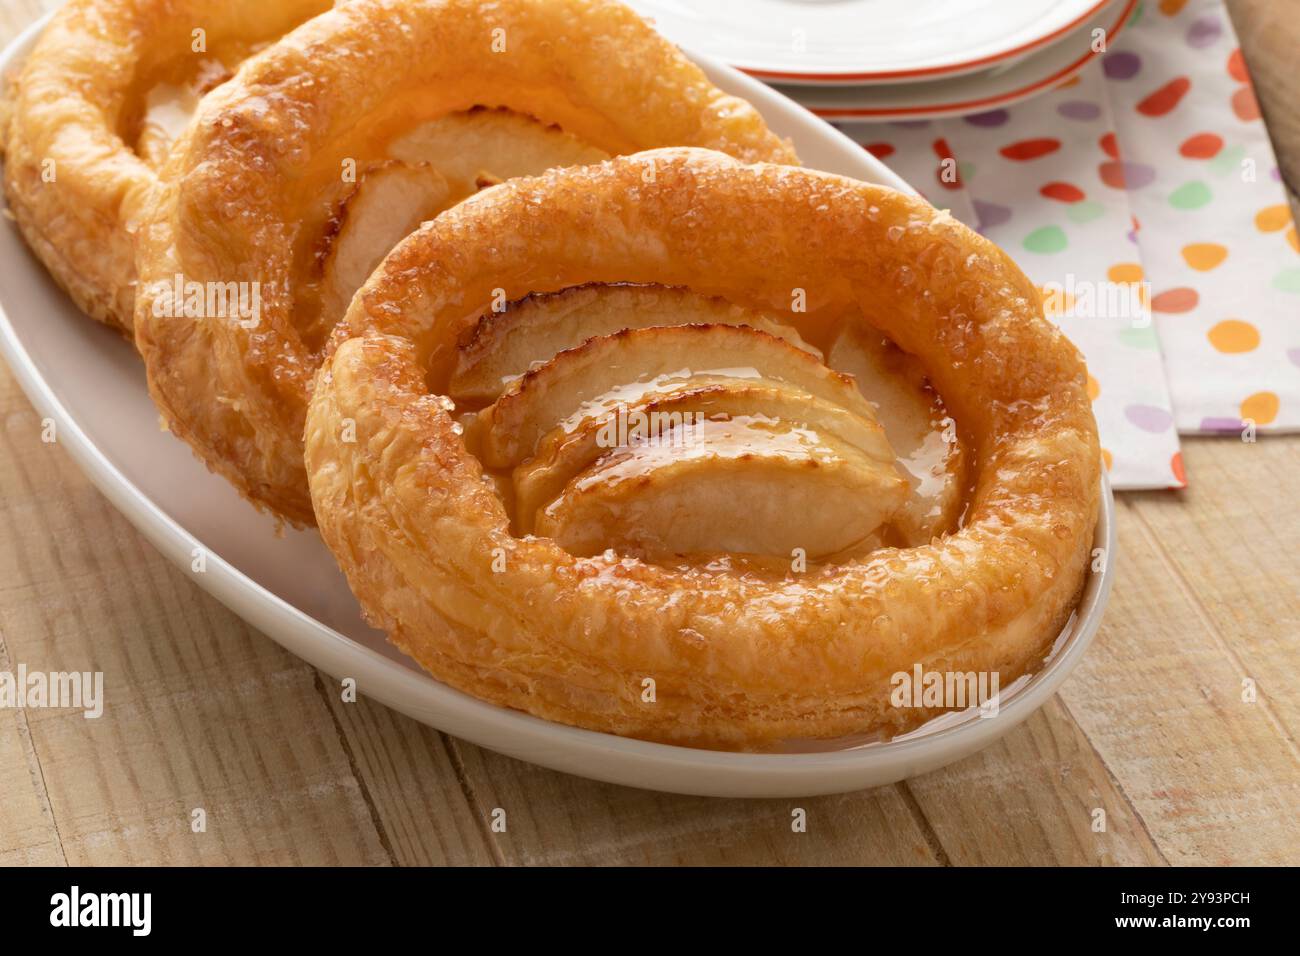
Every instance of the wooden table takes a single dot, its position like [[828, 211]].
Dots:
[[207, 713]]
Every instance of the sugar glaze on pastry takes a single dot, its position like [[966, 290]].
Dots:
[[327, 148], [90, 117], [669, 377], [456, 477]]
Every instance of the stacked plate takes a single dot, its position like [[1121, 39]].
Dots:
[[889, 60]]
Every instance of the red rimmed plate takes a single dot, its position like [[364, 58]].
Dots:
[[959, 96], [822, 42]]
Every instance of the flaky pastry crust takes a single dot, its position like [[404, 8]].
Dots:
[[71, 179], [737, 660], [266, 146]]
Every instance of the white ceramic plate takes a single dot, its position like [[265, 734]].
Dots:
[[90, 383], [863, 41], [1001, 85]]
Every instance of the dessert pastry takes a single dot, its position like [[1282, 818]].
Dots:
[[299, 175], [872, 452], [92, 113]]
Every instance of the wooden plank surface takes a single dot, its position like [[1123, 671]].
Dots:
[[1152, 729]]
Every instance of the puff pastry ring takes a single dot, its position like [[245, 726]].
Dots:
[[368, 113], [738, 660], [92, 112]]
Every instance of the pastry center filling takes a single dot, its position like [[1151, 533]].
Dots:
[[678, 427], [182, 57], [422, 171], [169, 105], [375, 202]]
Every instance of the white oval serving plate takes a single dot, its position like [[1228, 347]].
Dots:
[[90, 383]]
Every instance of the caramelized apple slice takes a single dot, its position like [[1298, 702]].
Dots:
[[168, 108], [572, 447], [506, 344], [497, 144], [387, 204], [740, 486], [613, 370], [916, 424]]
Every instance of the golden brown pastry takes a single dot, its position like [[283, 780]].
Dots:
[[299, 175], [92, 113], [763, 575]]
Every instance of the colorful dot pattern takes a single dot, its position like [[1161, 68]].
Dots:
[[1217, 244], [1150, 172], [1041, 198]]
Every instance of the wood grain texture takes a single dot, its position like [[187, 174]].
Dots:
[[1032, 798], [204, 712], [200, 712], [416, 788], [554, 818], [1160, 698], [1243, 504], [28, 836]]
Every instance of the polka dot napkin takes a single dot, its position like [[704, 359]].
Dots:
[[1144, 199]]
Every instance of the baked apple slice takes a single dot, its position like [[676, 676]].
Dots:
[[737, 486], [917, 426], [613, 370], [490, 145], [506, 344], [169, 107], [388, 203], [572, 447]]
